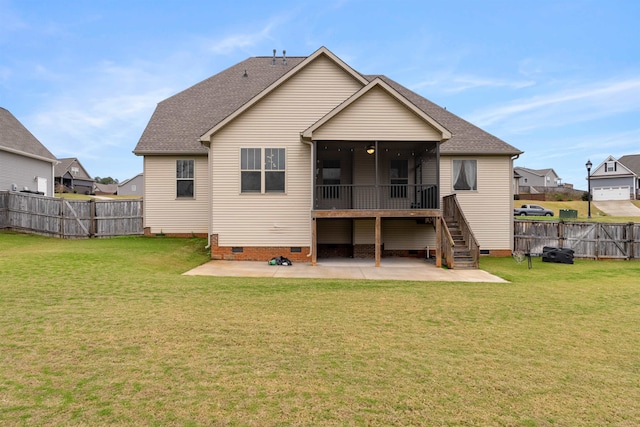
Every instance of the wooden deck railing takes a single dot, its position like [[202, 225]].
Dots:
[[385, 196]]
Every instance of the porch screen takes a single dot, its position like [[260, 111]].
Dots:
[[399, 175], [331, 179]]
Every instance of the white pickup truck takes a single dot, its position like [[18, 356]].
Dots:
[[533, 210]]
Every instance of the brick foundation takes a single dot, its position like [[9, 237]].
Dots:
[[364, 251], [258, 253], [335, 251]]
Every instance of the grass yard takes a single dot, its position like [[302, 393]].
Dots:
[[581, 206], [98, 332]]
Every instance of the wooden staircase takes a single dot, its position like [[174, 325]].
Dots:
[[460, 248], [462, 258]]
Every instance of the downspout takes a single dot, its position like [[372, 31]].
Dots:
[[209, 195]]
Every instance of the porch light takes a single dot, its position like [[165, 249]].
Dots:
[[371, 149]]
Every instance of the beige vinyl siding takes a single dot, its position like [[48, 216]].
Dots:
[[163, 211], [334, 231], [364, 231], [407, 234], [489, 210], [274, 122], [377, 116]]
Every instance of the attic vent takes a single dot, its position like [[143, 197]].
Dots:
[[284, 57], [273, 61]]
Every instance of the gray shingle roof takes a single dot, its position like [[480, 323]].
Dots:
[[178, 122], [631, 161], [65, 166], [14, 136]]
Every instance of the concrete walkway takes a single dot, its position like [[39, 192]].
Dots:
[[391, 269], [617, 207]]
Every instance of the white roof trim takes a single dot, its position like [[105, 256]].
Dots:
[[377, 82], [206, 137]]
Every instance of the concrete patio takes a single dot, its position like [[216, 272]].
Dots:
[[410, 269]]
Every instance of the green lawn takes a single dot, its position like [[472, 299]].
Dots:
[[583, 209], [97, 332]]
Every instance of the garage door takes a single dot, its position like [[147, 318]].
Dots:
[[611, 193]]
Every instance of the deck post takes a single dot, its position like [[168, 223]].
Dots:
[[439, 242], [378, 239], [314, 242]]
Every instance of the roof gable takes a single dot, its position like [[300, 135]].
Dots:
[[16, 138], [358, 97], [68, 165], [620, 169], [184, 122], [323, 51]]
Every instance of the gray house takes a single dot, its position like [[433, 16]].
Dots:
[[537, 178], [72, 177], [25, 164], [617, 179], [132, 187]]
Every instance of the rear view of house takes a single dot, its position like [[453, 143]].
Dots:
[[25, 164], [305, 157]]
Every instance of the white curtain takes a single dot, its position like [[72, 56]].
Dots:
[[470, 169]]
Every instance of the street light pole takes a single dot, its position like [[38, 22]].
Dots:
[[588, 165]]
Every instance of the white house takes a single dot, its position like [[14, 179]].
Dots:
[[616, 179]]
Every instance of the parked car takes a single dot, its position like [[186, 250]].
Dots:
[[533, 210]]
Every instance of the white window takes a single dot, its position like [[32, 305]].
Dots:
[[610, 166], [465, 175], [262, 177], [184, 178]]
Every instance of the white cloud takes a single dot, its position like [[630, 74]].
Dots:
[[459, 83], [576, 105], [243, 41]]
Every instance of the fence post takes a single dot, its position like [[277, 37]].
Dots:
[[561, 234], [92, 218], [631, 240], [62, 217]]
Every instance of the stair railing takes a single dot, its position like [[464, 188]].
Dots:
[[448, 244], [453, 210]]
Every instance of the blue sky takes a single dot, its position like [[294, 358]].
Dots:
[[560, 80]]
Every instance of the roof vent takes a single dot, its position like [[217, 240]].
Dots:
[[273, 61], [284, 57]]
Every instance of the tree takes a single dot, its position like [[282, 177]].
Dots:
[[107, 180]]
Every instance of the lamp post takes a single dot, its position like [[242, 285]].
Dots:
[[588, 165]]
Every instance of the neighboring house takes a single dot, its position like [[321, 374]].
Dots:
[[515, 186], [72, 177], [132, 187], [105, 189], [305, 157], [616, 179], [538, 177], [25, 164]]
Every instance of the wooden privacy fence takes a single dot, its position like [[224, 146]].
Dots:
[[587, 239], [70, 219]]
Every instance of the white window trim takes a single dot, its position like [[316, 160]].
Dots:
[[263, 172], [175, 193]]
